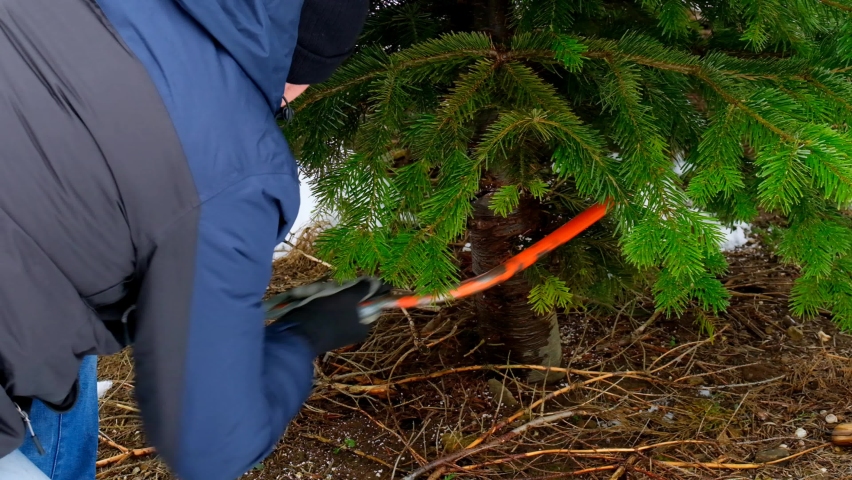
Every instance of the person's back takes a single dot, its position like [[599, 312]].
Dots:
[[144, 186]]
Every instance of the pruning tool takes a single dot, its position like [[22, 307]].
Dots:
[[369, 310]]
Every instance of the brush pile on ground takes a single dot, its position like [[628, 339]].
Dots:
[[751, 394]]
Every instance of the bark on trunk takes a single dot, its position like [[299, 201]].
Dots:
[[511, 330]]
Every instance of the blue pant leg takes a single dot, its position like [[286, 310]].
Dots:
[[70, 440]]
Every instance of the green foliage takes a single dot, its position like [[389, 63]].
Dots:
[[549, 294], [705, 325], [506, 200], [577, 102]]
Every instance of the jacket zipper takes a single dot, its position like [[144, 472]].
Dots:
[[29, 425]]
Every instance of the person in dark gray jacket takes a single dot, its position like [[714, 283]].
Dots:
[[144, 183]]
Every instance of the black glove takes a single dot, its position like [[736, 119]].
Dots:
[[327, 313]]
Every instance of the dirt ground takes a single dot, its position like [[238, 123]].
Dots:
[[677, 399]]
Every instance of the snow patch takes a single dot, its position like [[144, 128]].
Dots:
[[303, 219], [679, 165], [103, 387], [735, 237]]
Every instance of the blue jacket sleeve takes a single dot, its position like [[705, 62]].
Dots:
[[215, 386]]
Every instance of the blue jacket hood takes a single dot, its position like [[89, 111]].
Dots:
[[259, 34]]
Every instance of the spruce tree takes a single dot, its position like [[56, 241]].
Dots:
[[492, 122]]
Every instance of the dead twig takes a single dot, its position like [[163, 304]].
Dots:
[[308, 256], [551, 451], [436, 342], [138, 452], [415, 336], [476, 448], [123, 406], [382, 388], [639, 331], [584, 471], [473, 448], [112, 444], [629, 463], [750, 384], [740, 466], [437, 474]]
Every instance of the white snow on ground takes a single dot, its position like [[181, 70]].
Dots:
[[679, 165], [103, 386], [306, 210], [736, 237]]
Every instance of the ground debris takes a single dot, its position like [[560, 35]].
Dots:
[[667, 404]]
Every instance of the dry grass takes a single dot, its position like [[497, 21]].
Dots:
[[660, 404]]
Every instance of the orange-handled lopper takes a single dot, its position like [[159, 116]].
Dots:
[[480, 283]]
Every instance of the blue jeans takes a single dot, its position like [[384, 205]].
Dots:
[[70, 440]]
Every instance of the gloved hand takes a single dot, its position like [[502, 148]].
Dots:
[[327, 313]]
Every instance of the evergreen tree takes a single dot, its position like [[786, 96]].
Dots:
[[494, 121]]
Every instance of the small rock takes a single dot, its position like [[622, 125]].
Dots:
[[801, 433], [823, 412], [704, 392], [771, 455], [795, 333], [831, 418], [502, 394], [823, 337]]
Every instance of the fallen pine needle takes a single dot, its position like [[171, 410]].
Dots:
[[344, 447], [741, 466], [139, 452]]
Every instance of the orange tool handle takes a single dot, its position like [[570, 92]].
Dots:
[[495, 276]]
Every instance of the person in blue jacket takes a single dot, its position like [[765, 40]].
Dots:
[[145, 183]]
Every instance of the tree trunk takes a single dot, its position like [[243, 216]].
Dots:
[[511, 330]]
